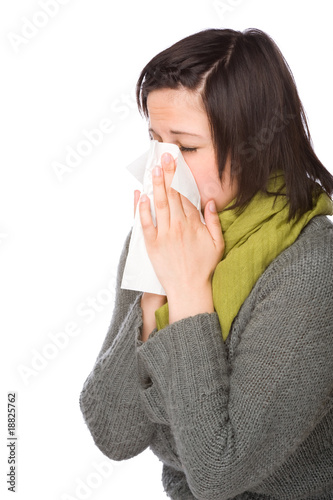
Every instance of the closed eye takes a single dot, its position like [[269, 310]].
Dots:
[[182, 148], [187, 150]]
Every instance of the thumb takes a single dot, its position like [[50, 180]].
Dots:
[[213, 225]]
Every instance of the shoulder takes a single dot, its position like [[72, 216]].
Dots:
[[300, 278], [293, 298], [123, 257], [125, 248], [309, 260]]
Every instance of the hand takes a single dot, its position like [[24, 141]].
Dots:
[[184, 252], [149, 301]]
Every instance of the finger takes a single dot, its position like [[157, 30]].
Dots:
[[174, 200], [148, 228], [190, 210], [214, 226], [136, 199], [160, 200], [169, 167]]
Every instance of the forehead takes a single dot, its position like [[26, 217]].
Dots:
[[177, 109], [171, 100]]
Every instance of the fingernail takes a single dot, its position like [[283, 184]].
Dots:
[[166, 158], [157, 171], [212, 207], [143, 198]]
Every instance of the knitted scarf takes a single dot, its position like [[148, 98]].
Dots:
[[252, 241]]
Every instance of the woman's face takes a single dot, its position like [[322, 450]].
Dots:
[[178, 117]]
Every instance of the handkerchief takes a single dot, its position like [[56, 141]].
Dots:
[[139, 273]]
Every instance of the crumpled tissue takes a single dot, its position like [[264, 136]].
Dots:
[[139, 273]]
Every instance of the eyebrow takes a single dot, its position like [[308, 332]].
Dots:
[[178, 132]]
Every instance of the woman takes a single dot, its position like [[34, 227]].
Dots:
[[230, 382]]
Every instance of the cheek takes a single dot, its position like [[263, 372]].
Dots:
[[205, 173], [209, 185]]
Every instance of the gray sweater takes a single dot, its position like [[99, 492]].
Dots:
[[249, 418]]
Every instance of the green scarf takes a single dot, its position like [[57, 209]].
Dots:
[[252, 241]]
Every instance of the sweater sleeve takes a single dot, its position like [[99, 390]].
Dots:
[[236, 419], [110, 398], [175, 484]]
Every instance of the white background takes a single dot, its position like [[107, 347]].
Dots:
[[60, 237]]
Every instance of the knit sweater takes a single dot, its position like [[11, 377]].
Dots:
[[249, 418]]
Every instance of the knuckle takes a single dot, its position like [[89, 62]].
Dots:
[[172, 193], [158, 180], [193, 216], [178, 227], [169, 168], [161, 204]]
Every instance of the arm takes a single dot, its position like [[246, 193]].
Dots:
[[175, 484], [235, 423], [149, 303], [110, 399]]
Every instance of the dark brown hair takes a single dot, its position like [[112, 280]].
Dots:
[[253, 108]]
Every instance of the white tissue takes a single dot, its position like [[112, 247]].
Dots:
[[139, 273]]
